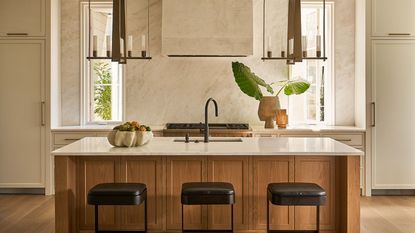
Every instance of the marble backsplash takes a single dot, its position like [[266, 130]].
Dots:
[[175, 89]]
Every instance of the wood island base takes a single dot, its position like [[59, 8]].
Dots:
[[250, 175]]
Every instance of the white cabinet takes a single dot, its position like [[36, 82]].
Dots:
[[22, 17], [393, 78], [22, 118], [393, 18]]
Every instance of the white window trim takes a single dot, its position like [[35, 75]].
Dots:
[[84, 84], [330, 103]]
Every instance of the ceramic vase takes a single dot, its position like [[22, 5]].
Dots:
[[267, 111]]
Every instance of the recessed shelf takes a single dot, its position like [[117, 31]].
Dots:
[[109, 58]]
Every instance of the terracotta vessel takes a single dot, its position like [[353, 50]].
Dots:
[[267, 111], [282, 118]]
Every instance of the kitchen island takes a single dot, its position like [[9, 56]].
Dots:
[[163, 165]]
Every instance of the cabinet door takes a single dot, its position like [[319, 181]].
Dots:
[[92, 172], [147, 170], [234, 170], [393, 18], [25, 17], [271, 170], [22, 79], [319, 170], [181, 170], [393, 145]]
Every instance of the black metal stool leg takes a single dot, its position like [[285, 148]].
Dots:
[[145, 216], [232, 218], [96, 219], [267, 216], [182, 220], [318, 218]]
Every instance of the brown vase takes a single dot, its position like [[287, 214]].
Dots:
[[267, 111]]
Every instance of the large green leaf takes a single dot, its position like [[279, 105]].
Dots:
[[248, 82], [296, 87]]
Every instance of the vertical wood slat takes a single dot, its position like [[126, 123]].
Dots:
[[65, 194], [234, 170], [266, 170], [149, 171], [180, 170], [294, 30], [349, 197]]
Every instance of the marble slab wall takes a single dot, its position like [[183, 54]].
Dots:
[[175, 89]]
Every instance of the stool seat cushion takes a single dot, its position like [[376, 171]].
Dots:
[[207, 193], [308, 194], [117, 194]]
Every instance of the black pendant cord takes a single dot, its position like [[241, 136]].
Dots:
[[324, 29], [263, 28], [89, 28], [148, 27]]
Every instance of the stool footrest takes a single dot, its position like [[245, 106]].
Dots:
[[211, 231], [293, 231]]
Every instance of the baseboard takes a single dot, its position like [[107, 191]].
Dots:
[[393, 192], [38, 191]]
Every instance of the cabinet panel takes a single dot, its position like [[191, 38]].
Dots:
[[147, 170], [92, 172], [319, 170], [395, 16], [348, 139], [22, 16], [22, 79], [181, 170], [271, 170], [234, 170], [68, 138], [393, 145]]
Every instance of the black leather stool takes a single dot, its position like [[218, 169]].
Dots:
[[118, 194], [208, 193], [296, 194]]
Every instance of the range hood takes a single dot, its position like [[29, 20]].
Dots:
[[207, 28]]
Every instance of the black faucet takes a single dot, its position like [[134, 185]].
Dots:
[[206, 117]]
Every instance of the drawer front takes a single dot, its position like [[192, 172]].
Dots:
[[67, 138], [349, 139]]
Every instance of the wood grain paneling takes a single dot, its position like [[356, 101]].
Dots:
[[92, 171], [234, 170], [271, 170], [319, 170], [181, 170], [65, 195], [147, 170]]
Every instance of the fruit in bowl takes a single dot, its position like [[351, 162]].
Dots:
[[130, 134]]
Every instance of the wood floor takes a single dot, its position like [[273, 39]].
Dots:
[[35, 214]]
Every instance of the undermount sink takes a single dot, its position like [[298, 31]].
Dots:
[[200, 139]]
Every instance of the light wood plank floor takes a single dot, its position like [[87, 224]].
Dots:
[[35, 214]]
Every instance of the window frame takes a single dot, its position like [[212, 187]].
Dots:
[[87, 88], [330, 86]]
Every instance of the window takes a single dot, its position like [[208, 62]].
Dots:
[[316, 106], [102, 80]]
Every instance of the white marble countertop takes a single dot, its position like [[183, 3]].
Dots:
[[255, 128], [308, 128], [289, 146]]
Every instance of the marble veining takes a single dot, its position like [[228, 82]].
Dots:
[[174, 89]]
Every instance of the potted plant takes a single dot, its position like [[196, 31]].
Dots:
[[251, 84]]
